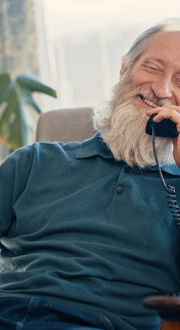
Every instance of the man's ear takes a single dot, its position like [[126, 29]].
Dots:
[[122, 71]]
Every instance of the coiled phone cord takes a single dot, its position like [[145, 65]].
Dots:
[[171, 197]]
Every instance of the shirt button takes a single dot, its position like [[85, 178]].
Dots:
[[120, 190], [127, 169]]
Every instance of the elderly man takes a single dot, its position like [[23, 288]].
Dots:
[[86, 230]]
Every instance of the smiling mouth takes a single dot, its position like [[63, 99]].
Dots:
[[152, 104]]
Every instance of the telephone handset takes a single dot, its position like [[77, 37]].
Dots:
[[165, 128]]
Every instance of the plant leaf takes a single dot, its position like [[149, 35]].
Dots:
[[15, 126]]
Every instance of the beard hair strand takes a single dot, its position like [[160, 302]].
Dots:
[[122, 127]]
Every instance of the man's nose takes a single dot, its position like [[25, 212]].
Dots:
[[163, 87]]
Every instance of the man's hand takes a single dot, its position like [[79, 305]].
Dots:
[[171, 112]]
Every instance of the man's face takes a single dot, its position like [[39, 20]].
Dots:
[[158, 71]]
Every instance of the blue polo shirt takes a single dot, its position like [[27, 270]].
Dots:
[[88, 232]]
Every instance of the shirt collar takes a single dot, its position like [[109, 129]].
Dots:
[[171, 169], [95, 146]]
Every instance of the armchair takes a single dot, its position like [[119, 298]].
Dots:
[[65, 125]]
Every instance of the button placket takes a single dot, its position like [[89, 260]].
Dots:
[[127, 169]]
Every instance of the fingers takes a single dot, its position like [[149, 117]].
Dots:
[[167, 112], [171, 112]]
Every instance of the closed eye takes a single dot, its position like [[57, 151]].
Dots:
[[178, 82], [151, 69]]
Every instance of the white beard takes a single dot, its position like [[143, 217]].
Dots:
[[128, 140], [123, 129]]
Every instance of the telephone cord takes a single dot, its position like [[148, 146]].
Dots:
[[171, 197]]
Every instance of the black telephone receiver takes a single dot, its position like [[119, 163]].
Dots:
[[165, 128]]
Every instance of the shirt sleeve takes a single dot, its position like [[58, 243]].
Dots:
[[14, 173]]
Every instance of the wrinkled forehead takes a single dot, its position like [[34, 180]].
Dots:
[[165, 44]]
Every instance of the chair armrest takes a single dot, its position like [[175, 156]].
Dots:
[[167, 307]]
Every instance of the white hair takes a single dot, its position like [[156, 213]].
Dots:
[[140, 44]]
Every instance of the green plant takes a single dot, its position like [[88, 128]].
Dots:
[[16, 124]]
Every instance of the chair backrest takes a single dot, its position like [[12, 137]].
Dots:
[[65, 125]]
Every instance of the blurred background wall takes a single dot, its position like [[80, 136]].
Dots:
[[74, 46]]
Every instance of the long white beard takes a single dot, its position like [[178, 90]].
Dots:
[[123, 129], [128, 140]]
